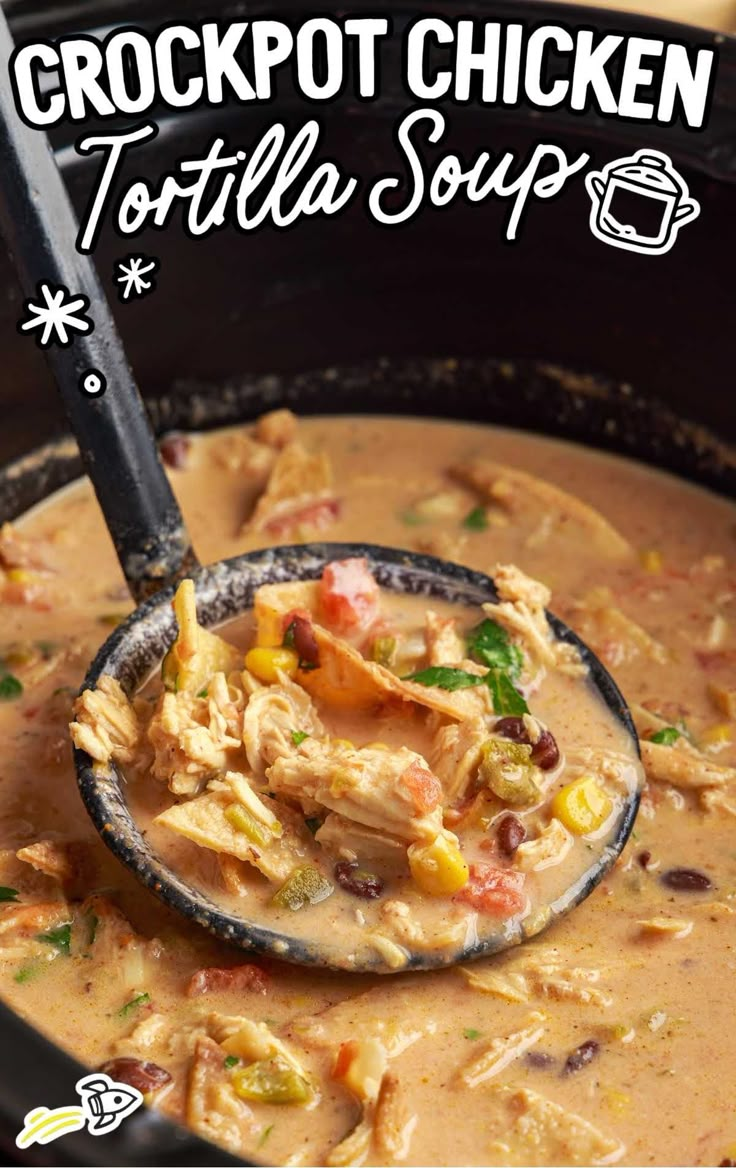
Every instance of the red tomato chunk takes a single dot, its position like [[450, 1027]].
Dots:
[[495, 891], [424, 788], [240, 977], [349, 595]]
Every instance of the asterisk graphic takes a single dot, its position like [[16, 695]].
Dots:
[[58, 314], [130, 274]]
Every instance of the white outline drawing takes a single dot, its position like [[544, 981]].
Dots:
[[648, 174], [105, 1104], [130, 273], [59, 313]]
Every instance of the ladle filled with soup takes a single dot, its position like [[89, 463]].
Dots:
[[570, 1049]]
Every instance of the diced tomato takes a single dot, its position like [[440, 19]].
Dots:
[[345, 1056], [317, 515], [240, 977], [424, 787], [495, 891], [349, 595]]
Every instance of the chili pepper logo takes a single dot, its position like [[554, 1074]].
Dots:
[[105, 1104]]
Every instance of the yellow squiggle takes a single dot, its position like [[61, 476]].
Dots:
[[42, 1126]]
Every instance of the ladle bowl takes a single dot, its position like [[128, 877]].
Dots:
[[225, 591]]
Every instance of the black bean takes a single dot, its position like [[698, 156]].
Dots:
[[175, 450], [510, 832], [353, 879], [545, 752], [539, 1060], [580, 1057], [305, 643], [686, 880], [643, 858], [138, 1073]]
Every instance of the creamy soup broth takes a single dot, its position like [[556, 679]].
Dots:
[[603, 1040]]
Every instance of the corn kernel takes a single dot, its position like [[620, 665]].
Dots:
[[438, 868], [651, 560], [720, 734], [20, 576], [582, 806], [266, 663]]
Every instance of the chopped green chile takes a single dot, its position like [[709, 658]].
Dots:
[[271, 1081], [383, 651], [305, 885], [298, 736], [242, 820], [507, 770]]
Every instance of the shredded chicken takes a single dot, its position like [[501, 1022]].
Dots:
[[273, 714], [550, 847], [521, 611], [519, 493], [367, 1015], [70, 864], [680, 763], [444, 644], [106, 725], [363, 785], [456, 754], [532, 1130], [347, 840], [194, 738], [502, 1052], [615, 636], [276, 428], [213, 1110]]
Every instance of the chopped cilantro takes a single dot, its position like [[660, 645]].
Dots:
[[133, 1004], [289, 634], [667, 736], [60, 938], [27, 972], [7, 894], [490, 645], [232, 1060], [476, 520], [471, 1033], [298, 736], [202, 693], [506, 698], [10, 688], [445, 677]]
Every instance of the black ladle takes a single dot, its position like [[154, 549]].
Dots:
[[121, 459]]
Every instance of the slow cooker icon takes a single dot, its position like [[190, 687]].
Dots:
[[639, 203]]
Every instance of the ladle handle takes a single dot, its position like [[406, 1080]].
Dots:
[[116, 443]]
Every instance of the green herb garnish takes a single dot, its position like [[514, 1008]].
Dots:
[[506, 698], [10, 688], [445, 677], [60, 938], [8, 894], [133, 1004], [232, 1060], [202, 693], [27, 972], [471, 1033], [476, 520], [490, 645], [298, 736], [667, 736], [289, 634]]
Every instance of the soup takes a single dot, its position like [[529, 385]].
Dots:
[[574, 1047]]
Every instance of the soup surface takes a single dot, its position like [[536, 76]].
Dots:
[[603, 1040]]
